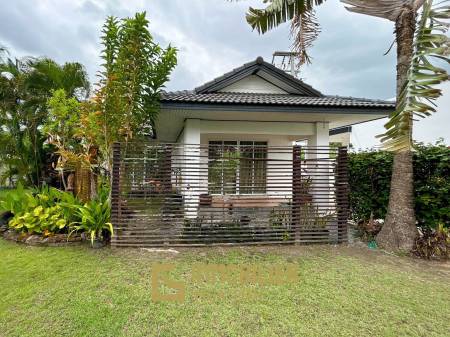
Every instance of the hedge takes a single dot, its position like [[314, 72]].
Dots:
[[370, 174]]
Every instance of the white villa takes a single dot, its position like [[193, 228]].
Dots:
[[249, 153]]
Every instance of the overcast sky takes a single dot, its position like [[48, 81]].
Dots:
[[213, 37]]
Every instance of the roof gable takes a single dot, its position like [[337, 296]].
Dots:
[[265, 71], [253, 84]]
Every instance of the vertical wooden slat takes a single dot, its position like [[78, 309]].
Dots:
[[342, 191], [115, 190], [296, 189]]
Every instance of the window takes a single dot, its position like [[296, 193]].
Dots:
[[237, 167]]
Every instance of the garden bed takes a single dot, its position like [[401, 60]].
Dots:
[[40, 240]]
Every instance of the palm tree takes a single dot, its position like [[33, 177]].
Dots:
[[25, 86], [417, 41]]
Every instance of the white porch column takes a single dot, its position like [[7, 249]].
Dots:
[[191, 185], [322, 188], [321, 138]]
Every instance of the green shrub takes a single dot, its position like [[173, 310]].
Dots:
[[40, 220], [46, 210], [432, 185], [18, 201], [370, 174], [369, 178]]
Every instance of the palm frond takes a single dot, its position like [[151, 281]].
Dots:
[[3, 52], [386, 9], [419, 92], [304, 31], [278, 12]]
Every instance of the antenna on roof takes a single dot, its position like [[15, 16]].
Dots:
[[285, 60]]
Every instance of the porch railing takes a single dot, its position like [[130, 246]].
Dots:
[[178, 194]]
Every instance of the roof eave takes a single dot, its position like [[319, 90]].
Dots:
[[167, 105]]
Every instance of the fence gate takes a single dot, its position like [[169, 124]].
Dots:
[[228, 193]]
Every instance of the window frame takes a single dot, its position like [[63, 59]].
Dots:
[[262, 189]]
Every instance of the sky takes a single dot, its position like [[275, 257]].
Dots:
[[213, 37]]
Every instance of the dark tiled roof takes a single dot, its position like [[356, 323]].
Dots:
[[272, 99]]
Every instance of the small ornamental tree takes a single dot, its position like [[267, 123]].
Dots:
[[73, 128], [134, 72]]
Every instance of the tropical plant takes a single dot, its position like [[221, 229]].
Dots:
[[416, 78], [45, 210], [433, 243], [135, 70], [25, 86], [40, 220], [72, 128], [18, 201], [95, 216], [48, 197]]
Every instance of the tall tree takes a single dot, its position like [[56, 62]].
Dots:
[[416, 76], [135, 70], [25, 86]]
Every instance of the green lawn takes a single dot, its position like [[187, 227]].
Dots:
[[340, 291]]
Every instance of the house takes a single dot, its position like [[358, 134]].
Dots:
[[245, 155], [341, 136]]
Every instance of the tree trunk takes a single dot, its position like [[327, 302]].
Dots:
[[399, 230]]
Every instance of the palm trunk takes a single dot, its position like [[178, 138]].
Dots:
[[399, 231]]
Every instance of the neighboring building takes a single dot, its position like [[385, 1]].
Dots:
[[341, 136]]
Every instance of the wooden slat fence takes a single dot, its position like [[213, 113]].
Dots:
[[184, 195]]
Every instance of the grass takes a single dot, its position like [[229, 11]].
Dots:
[[340, 291]]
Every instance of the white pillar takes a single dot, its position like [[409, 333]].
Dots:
[[321, 138], [191, 184]]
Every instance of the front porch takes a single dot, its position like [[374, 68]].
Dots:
[[228, 192]]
